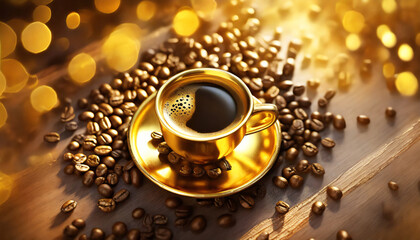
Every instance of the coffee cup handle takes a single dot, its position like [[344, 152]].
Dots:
[[263, 116]]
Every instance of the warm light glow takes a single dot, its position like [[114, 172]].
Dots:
[[63, 43], [406, 83], [2, 83], [82, 68], [42, 14], [43, 98], [388, 70], [15, 74], [389, 39], [107, 6], [405, 52], [389, 6], [418, 39], [6, 183], [353, 42], [186, 22], [73, 20], [7, 39], [42, 2], [3, 117], [36, 37], [381, 30], [353, 21], [146, 10], [204, 8]]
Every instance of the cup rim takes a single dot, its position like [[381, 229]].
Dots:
[[203, 71]]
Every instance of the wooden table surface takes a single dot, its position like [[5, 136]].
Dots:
[[363, 161]]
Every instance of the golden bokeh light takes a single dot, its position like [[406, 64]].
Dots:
[[388, 70], [353, 21], [353, 42], [405, 52], [389, 39], [42, 2], [82, 68], [42, 14], [63, 43], [381, 30], [389, 6], [6, 182], [146, 10], [3, 115], [107, 6], [36, 37], [406, 83], [2, 83], [15, 74], [43, 98], [186, 22], [73, 20], [204, 8], [8, 40]]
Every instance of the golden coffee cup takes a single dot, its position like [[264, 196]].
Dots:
[[255, 117]]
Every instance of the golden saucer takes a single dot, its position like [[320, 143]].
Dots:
[[250, 160]]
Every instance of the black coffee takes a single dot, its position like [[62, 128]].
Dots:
[[201, 108]]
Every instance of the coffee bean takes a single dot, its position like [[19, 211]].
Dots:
[[156, 136], [126, 177], [68, 156], [183, 211], [163, 148], [303, 166], [271, 93], [304, 102], [287, 172], [343, 235], [105, 139], [112, 179], [147, 220], [263, 236], [82, 103], [79, 223], [339, 122], [160, 219], [82, 167], [291, 154], [99, 181], [89, 142], [309, 149], [246, 201], [52, 137], [393, 185], [280, 182], [226, 220], [68, 206], [106, 204], [219, 202], [328, 142], [97, 234], [118, 144], [322, 102], [101, 170], [224, 164], [102, 150], [363, 119], [92, 127], [300, 113], [68, 114], [285, 85], [231, 205], [204, 202], [129, 165], [163, 233], [174, 157], [138, 213], [119, 229], [334, 192], [79, 158], [173, 202], [390, 112], [71, 126], [180, 222], [198, 224], [88, 178], [280, 102], [329, 94], [314, 137], [198, 171], [316, 115], [83, 237], [296, 181], [70, 231], [298, 90], [282, 207], [318, 207], [328, 118], [121, 195], [317, 169], [136, 177], [86, 116], [105, 190], [317, 125]]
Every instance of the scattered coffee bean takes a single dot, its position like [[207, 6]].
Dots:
[[339, 122], [393, 185], [291, 154], [70, 231], [318, 207], [69, 169], [296, 181], [390, 112], [102, 150], [303, 166], [198, 224], [328, 142], [119, 229], [163, 233], [183, 211], [231, 205], [363, 119], [99, 181], [68, 114], [309, 149], [282, 207], [112, 179], [322, 102], [88, 178], [101, 170], [79, 158], [68, 206], [288, 172], [160, 219], [138, 213], [334, 192], [317, 125], [156, 136], [280, 182], [173, 202], [121, 195], [52, 137], [246, 201], [97, 234], [298, 90], [126, 177], [83, 237], [79, 223], [71, 126], [224, 164], [105, 190], [163, 148], [343, 235], [317, 169], [106, 204], [174, 157], [136, 177], [180, 222], [226, 220], [329, 94], [134, 234], [213, 171]]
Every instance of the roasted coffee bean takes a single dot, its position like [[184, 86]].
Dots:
[[116, 121], [83, 237], [363, 119], [156, 136], [138, 213], [163, 233], [271, 93], [109, 161], [289, 97], [280, 102], [327, 118], [343, 235], [231, 205], [219, 202], [204, 202], [82, 103], [147, 220], [93, 108], [300, 114], [390, 112], [98, 116], [126, 177], [121, 195], [334, 192], [316, 115], [106, 204], [180, 222], [79, 158], [280, 182], [303, 166], [89, 142], [104, 139], [317, 125], [102, 150], [226, 220], [263, 236], [82, 167], [198, 224], [287, 172], [70, 231], [329, 94], [328, 142], [304, 102], [68, 206], [112, 179], [118, 144], [212, 171], [314, 137], [186, 169], [105, 190], [282, 207], [183, 211], [322, 102], [117, 154], [119, 229], [339, 122], [71, 126], [393, 185], [106, 109], [88, 178], [134, 234], [68, 114], [92, 127], [318, 207], [285, 85], [246, 201], [291, 154], [309, 149], [101, 170], [79, 223], [298, 90], [52, 137], [105, 123], [296, 181], [160, 219], [174, 157], [317, 169], [99, 181], [69, 169], [68, 156], [86, 116], [129, 165], [224, 164], [163, 148], [118, 169], [136, 177], [97, 234], [173, 202], [198, 171]]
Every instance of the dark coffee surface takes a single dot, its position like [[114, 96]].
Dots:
[[215, 109]]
